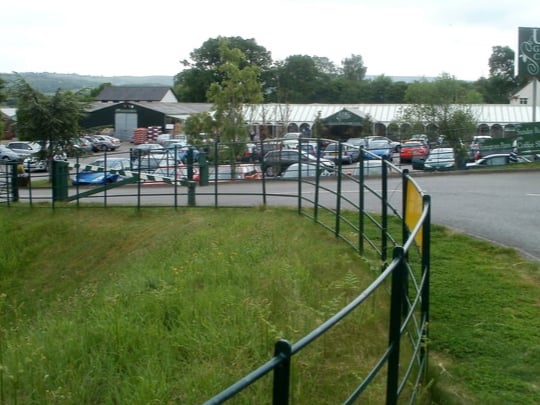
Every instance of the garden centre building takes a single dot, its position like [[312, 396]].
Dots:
[[274, 120]]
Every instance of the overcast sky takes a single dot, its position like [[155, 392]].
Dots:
[[136, 38]]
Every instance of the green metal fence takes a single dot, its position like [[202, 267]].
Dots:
[[373, 206]]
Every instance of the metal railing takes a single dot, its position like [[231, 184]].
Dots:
[[373, 206]]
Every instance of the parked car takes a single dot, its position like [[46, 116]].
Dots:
[[261, 149], [295, 135], [105, 171], [411, 149], [308, 147], [304, 169], [358, 142], [144, 149], [238, 172], [440, 159], [23, 148], [395, 146], [250, 153], [82, 143], [28, 152], [349, 152], [174, 143], [478, 139], [379, 148], [182, 154], [105, 143], [497, 159], [8, 155], [34, 164], [420, 138], [275, 162]]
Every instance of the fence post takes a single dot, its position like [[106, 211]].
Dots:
[[361, 194], [384, 213], [396, 301], [14, 183], [339, 172], [282, 373], [426, 271]]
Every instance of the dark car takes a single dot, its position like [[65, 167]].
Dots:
[[276, 162], [261, 149]]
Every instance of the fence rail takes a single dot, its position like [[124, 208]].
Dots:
[[383, 213]]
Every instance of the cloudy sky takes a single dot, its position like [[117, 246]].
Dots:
[[136, 38]]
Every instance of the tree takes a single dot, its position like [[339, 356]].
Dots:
[[197, 126], [353, 68], [240, 87], [501, 63], [2, 99], [441, 106], [298, 79], [3, 96], [444, 88], [49, 120], [192, 84], [502, 81]]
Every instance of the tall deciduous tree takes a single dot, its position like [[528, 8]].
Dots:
[[2, 99], [501, 63], [239, 87], [50, 120], [502, 81], [442, 106], [353, 68], [192, 83], [444, 88], [298, 78]]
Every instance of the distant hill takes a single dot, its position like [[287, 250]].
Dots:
[[49, 83]]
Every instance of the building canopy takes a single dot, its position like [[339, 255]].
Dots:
[[348, 117]]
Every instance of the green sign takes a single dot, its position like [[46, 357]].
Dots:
[[528, 138], [497, 145], [529, 52]]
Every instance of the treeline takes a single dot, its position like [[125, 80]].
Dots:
[[315, 79]]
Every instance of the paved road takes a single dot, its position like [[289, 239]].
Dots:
[[500, 207], [503, 207]]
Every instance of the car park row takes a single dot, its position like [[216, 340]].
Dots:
[[273, 157]]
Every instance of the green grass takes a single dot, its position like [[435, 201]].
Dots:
[[117, 306]]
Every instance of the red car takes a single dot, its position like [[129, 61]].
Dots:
[[412, 149]]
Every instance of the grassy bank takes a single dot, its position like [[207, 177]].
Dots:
[[163, 306]]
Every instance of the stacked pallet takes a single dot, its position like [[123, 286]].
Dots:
[[152, 134], [140, 135]]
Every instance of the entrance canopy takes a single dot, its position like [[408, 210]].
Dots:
[[348, 116]]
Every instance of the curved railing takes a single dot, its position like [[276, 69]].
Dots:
[[374, 206]]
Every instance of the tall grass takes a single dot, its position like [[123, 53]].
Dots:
[[112, 306], [117, 306]]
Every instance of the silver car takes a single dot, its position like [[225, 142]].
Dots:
[[8, 155]]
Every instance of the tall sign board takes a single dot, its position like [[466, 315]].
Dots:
[[529, 58], [529, 52]]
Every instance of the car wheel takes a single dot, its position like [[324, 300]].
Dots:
[[103, 148], [270, 171]]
